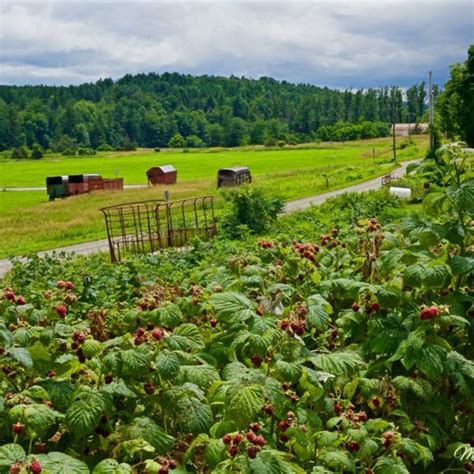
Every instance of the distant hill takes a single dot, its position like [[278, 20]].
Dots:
[[170, 109]]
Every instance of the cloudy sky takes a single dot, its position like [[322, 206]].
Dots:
[[329, 43]]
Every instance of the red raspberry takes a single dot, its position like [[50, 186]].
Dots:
[[283, 425], [375, 307], [251, 436], [35, 467], [260, 440], [268, 409], [227, 438], [61, 310], [18, 428], [233, 450], [157, 334], [20, 301], [255, 427], [252, 452], [355, 307]]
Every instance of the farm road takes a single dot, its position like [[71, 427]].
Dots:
[[292, 206]]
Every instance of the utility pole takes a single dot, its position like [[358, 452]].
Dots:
[[394, 147], [430, 103]]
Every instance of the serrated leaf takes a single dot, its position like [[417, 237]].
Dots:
[[60, 463], [134, 362], [386, 465], [11, 454], [232, 306], [243, 403], [193, 416], [337, 363], [201, 375], [21, 355], [111, 466], [84, 413], [147, 429], [167, 364]]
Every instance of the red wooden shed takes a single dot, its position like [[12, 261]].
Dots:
[[165, 174]]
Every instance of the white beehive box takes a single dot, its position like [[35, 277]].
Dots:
[[402, 193]]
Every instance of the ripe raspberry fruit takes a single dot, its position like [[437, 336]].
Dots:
[[268, 409], [375, 307], [15, 468], [61, 284], [260, 440], [172, 464], [233, 450], [18, 428], [433, 311], [61, 310], [140, 332], [255, 427], [149, 388], [20, 301], [334, 231], [227, 438], [213, 323], [138, 340], [69, 285], [283, 425], [251, 436], [52, 373], [252, 452], [260, 310], [9, 295], [237, 438], [40, 448], [337, 408], [284, 324], [355, 307], [157, 334], [35, 467], [353, 446], [256, 360], [284, 437]]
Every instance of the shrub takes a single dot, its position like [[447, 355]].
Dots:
[[37, 152], [249, 207], [157, 150], [20, 153], [193, 141], [176, 141], [129, 144], [85, 151], [105, 147]]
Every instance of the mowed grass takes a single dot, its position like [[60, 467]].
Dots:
[[202, 163], [28, 222]]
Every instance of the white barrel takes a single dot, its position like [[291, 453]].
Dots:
[[402, 193]]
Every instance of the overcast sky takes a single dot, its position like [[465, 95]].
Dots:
[[339, 44]]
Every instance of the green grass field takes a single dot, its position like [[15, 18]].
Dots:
[[28, 222]]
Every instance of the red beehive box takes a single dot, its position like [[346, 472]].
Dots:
[[165, 174]]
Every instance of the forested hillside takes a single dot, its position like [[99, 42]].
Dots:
[[170, 109]]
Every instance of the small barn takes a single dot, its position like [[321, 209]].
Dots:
[[233, 176], [165, 174]]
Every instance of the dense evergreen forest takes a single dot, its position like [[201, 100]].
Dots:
[[152, 110]]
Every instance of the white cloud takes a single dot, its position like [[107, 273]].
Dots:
[[337, 44]]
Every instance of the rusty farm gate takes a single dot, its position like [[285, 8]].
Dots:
[[149, 226]]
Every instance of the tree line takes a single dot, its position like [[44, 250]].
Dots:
[[171, 109]]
